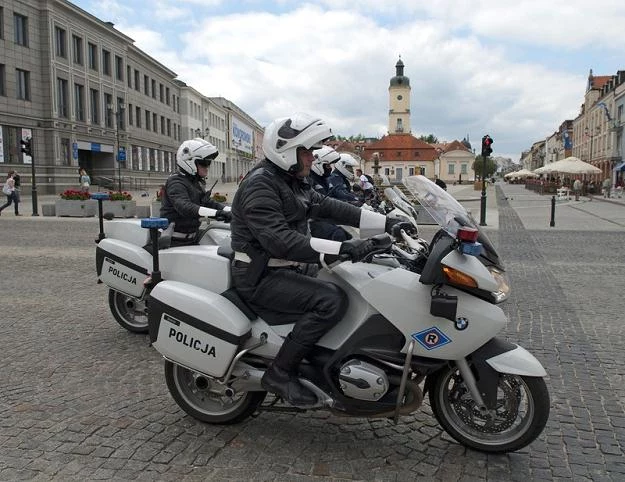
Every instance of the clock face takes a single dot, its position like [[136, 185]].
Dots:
[[399, 97]]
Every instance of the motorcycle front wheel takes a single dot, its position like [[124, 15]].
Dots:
[[520, 415], [129, 312], [204, 399]]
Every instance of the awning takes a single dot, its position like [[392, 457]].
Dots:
[[620, 167]]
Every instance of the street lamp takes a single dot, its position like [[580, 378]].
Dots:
[[198, 133], [121, 107], [589, 133]]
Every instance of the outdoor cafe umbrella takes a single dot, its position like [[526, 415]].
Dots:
[[523, 173], [569, 165]]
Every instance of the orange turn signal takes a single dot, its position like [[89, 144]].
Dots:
[[458, 277]]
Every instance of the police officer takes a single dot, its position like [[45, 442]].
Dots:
[[321, 169], [185, 198], [340, 181], [270, 238]]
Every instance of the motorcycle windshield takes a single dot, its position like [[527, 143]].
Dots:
[[448, 213], [444, 209]]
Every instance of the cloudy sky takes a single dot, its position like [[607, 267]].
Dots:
[[512, 69]]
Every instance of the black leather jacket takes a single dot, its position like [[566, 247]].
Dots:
[[184, 194], [270, 213], [340, 188]]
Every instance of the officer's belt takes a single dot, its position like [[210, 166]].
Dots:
[[272, 263], [177, 235]]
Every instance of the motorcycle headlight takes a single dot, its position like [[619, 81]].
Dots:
[[503, 288]]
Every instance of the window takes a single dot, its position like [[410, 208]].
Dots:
[[60, 42], [20, 26], [1, 22], [451, 169], [162, 125], [137, 85], [154, 122], [108, 105], [119, 68], [129, 76], [161, 94], [22, 77], [153, 89], [66, 152], [175, 131], [121, 114], [129, 114], [61, 97], [77, 49], [94, 104], [106, 62], [93, 56], [3, 80], [79, 102], [464, 169], [138, 116], [167, 94], [169, 127], [146, 85], [147, 120]]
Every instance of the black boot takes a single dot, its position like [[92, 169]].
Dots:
[[281, 377]]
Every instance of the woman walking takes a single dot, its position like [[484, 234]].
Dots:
[[9, 191], [85, 180]]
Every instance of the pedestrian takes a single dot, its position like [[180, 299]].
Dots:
[[577, 188], [85, 180], [9, 191], [607, 186], [440, 183], [17, 192]]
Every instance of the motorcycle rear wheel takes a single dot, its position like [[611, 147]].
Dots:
[[205, 400], [129, 312], [521, 413]]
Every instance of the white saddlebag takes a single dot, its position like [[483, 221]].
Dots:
[[195, 328]]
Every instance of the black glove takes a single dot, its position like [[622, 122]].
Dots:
[[405, 225], [224, 216], [357, 249], [206, 198], [390, 222]]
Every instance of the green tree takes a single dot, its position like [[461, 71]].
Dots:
[[490, 167], [430, 139]]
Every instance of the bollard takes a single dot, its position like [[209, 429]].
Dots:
[[552, 223]]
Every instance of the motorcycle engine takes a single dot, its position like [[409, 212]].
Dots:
[[362, 380]]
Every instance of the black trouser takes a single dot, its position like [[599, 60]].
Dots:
[[283, 295], [326, 230]]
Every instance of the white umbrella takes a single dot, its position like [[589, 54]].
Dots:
[[523, 173], [569, 165]]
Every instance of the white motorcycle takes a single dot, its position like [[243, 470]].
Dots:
[[422, 319], [123, 261]]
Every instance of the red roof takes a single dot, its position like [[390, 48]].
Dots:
[[600, 80], [412, 149], [456, 146]]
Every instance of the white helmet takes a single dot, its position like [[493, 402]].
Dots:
[[283, 136], [325, 155], [346, 164], [193, 152]]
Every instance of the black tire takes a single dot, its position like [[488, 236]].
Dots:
[[205, 405], [129, 312], [521, 415]]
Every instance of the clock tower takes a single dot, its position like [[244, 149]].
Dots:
[[399, 102]]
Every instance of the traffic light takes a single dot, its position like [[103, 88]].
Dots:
[[486, 143], [27, 147]]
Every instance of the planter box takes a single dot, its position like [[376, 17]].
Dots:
[[76, 208], [156, 209], [120, 209]]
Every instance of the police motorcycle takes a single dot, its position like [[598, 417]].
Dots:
[[426, 325], [123, 260]]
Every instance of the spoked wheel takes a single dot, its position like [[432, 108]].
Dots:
[[204, 399], [521, 412], [129, 312]]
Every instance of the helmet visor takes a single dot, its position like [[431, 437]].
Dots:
[[206, 161]]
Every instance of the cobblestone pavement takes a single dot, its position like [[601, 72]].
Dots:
[[82, 399]]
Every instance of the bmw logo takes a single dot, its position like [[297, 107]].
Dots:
[[461, 324]]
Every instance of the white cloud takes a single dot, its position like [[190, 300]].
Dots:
[[336, 58]]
